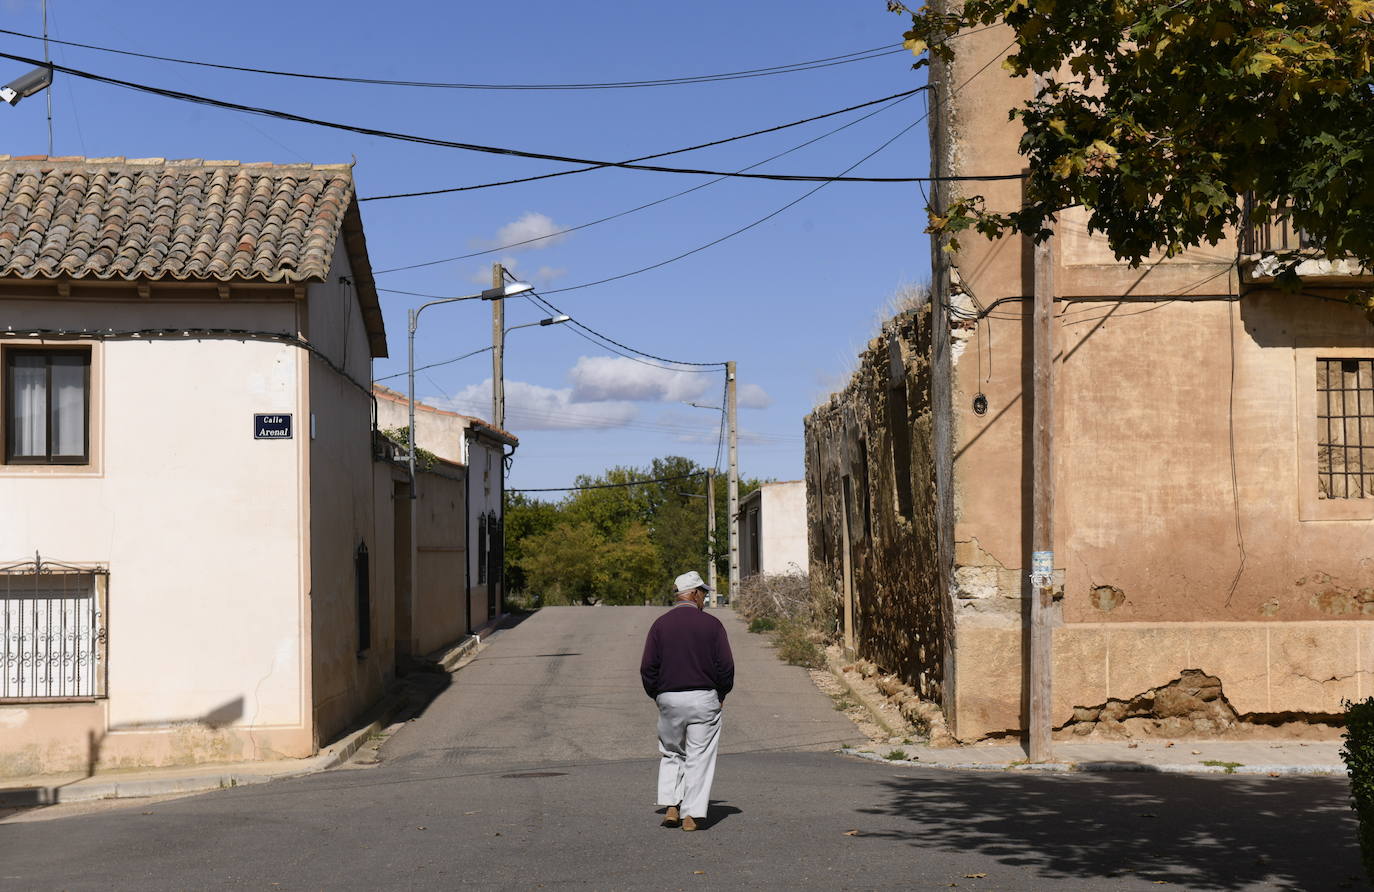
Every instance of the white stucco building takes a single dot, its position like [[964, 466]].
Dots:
[[195, 543], [480, 448], [772, 529]]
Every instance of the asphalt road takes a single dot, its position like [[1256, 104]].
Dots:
[[535, 769]]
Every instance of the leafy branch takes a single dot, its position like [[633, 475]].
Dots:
[[1159, 118]]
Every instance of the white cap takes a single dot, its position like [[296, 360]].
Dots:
[[688, 581]]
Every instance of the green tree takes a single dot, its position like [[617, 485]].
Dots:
[[628, 569], [561, 564], [525, 517], [617, 544], [613, 508], [1159, 117]]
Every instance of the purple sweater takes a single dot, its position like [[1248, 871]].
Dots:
[[687, 650]]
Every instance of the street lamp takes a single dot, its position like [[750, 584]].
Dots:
[[498, 370], [27, 85], [510, 289], [552, 320]]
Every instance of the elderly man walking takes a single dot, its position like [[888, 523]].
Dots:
[[688, 669]]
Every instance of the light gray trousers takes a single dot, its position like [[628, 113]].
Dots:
[[688, 737]]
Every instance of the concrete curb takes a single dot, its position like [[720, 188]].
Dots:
[[874, 709], [451, 658], [1108, 767], [188, 780], [212, 778]]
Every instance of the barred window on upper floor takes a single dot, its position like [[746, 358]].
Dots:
[[1345, 428]]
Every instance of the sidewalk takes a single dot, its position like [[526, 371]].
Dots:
[[78, 786], [1270, 758]]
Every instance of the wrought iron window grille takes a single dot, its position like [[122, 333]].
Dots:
[[52, 631], [1345, 428]]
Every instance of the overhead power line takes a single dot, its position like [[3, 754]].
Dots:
[[895, 101], [749, 226], [612, 485], [674, 365], [729, 235], [789, 68], [446, 143], [705, 145], [432, 365]]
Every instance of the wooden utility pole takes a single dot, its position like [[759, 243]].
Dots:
[[711, 529], [1041, 645], [498, 349], [730, 410]]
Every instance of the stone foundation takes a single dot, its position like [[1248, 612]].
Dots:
[[1276, 680]]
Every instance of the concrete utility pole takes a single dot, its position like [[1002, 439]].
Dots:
[[730, 411], [711, 529], [498, 350], [1041, 644]]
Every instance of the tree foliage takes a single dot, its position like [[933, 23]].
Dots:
[[1159, 117], [618, 544]]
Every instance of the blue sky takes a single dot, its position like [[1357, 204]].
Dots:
[[791, 300]]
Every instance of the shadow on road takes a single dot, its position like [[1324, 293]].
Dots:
[[423, 680], [1195, 832]]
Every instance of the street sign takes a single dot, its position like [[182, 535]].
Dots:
[[275, 426]]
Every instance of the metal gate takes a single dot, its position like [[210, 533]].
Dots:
[[52, 631]]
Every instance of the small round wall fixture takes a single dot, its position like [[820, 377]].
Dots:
[[980, 404]]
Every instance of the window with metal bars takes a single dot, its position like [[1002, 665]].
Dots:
[[52, 632], [1345, 428]]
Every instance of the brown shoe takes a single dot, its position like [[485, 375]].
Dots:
[[670, 819], [689, 823]]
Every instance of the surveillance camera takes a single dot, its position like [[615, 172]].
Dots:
[[26, 86]]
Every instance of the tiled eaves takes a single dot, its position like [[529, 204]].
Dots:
[[151, 219]]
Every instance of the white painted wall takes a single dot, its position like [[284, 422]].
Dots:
[[342, 501], [198, 523], [439, 431], [484, 497], [782, 527]]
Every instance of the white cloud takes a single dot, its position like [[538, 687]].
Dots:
[[530, 225], [532, 407], [752, 396], [597, 378], [542, 276]]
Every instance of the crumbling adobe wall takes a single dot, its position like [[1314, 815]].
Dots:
[[877, 432], [1194, 705]]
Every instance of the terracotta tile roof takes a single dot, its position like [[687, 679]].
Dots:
[[147, 219]]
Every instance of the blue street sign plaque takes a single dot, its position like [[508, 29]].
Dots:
[[274, 426]]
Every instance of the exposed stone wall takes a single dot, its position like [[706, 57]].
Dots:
[[876, 434]]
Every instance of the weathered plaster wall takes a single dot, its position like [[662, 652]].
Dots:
[[780, 509], [783, 527], [439, 431], [1188, 535], [890, 502], [440, 605], [342, 508]]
